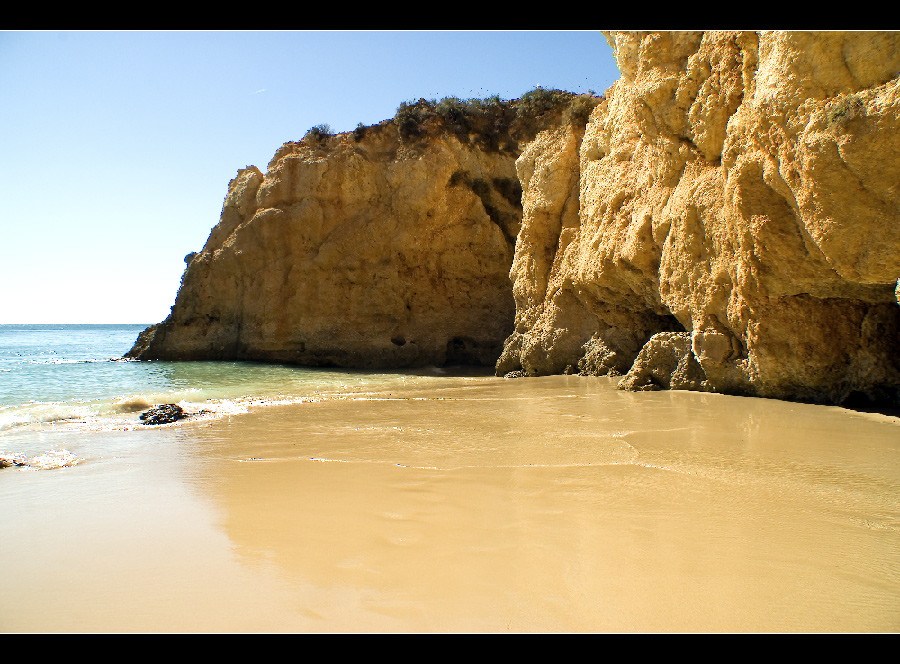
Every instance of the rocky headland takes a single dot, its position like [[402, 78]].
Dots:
[[726, 218], [389, 246]]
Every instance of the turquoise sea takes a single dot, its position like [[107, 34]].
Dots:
[[73, 377]]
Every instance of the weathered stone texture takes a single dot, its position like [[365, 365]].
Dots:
[[728, 220], [385, 247], [740, 188], [344, 256]]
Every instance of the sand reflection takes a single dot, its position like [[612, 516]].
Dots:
[[560, 504]]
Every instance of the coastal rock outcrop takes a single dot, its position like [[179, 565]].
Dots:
[[389, 246], [727, 219], [734, 200]]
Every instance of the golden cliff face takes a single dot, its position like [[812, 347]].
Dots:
[[385, 247], [728, 219], [738, 196]]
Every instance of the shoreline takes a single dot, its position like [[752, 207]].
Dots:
[[555, 504]]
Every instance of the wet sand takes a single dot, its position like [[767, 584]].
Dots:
[[555, 504]]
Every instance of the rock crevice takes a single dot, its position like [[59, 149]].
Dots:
[[738, 213]]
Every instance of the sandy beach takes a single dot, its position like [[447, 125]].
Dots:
[[553, 504], [442, 333]]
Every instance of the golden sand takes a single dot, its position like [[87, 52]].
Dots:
[[549, 505]]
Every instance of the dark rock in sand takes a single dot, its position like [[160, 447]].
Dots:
[[7, 461], [163, 414]]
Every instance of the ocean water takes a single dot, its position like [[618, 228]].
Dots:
[[314, 500], [73, 377]]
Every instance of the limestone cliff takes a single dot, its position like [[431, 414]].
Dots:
[[389, 246], [728, 220]]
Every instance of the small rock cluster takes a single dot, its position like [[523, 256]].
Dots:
[[7, 461], [163, 414]]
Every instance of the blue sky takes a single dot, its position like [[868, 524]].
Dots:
[[117, 147]]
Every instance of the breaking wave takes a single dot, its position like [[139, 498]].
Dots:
[[44, 461]]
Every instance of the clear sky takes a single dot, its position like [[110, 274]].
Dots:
[[117, 147]]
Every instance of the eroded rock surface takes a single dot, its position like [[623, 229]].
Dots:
[[163, 414], [737, 188], [727, 220], [389, 246]]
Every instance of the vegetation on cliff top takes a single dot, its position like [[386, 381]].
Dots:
[[493, 123]]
